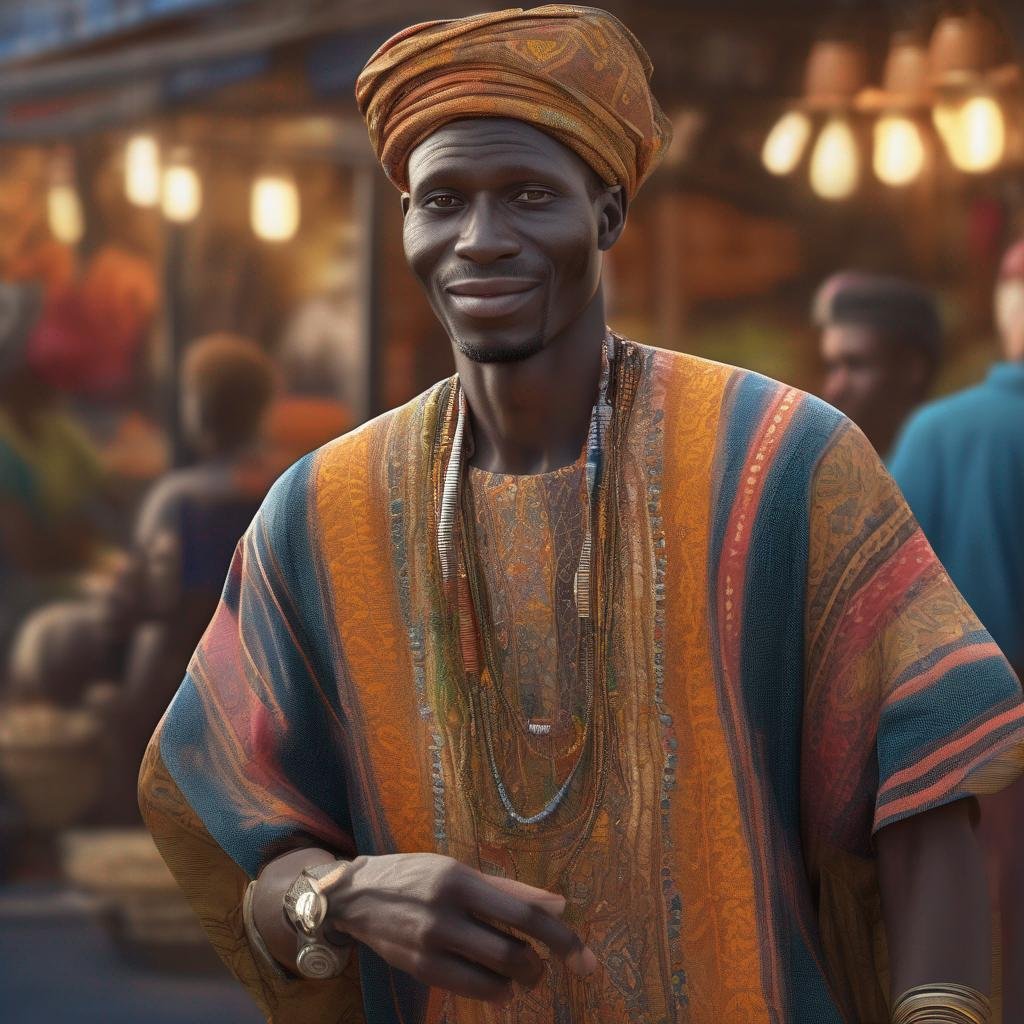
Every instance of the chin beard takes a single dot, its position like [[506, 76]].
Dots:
[[501, 353]]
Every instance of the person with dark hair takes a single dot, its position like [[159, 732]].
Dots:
[[881, 347], [142, 626], [599, 683], [191, 520]]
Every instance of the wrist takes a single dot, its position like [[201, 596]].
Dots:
[[268, 901], [319, 954], [341, 897]]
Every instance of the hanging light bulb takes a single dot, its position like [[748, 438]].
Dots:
[[899, 150], [974, 132], [182, 192], [142, 170], [786, 142], [63, 206], [835, 162], [274, 207]]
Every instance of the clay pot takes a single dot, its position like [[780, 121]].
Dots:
[[836, 71], [906, 68], [962, 45]]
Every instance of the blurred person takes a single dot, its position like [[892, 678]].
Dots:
[[192, 519], [881, 347], [141, 629], [603, 682], [960, 464]]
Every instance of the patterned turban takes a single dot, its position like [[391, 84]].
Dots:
[[576, 73]]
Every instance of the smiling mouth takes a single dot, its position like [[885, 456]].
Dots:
[[491, 298], [491, 287]]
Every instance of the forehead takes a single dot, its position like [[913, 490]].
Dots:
[[845, 340], [484, 148]]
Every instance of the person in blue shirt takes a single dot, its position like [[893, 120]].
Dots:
[[960, 463]]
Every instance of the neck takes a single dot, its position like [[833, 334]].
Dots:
[[532, 416]]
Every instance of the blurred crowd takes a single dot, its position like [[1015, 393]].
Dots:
[[112, 558]]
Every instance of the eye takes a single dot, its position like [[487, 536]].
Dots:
[[442, 201], [533, 196]]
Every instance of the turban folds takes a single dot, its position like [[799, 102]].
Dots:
[[576, 73]]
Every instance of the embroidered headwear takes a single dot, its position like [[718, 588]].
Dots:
[[576, 73]]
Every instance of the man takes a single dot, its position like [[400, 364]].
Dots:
[[960, 464], [600, 667], [881, 345]]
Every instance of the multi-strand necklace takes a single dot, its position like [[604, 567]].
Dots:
[[462, 588]]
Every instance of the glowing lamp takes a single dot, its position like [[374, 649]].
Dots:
[[142, 171], [835, 162], [786, 142], [274, 207]]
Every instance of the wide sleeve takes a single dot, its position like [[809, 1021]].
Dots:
[[249, 760], [909, 704], [214, 886]]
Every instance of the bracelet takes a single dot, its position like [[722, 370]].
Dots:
[[942, 1004], [255, 940], [305, 909]]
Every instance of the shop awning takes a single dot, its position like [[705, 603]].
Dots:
[[40, 28]]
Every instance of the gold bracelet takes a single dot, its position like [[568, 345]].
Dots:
[[942, 1004]]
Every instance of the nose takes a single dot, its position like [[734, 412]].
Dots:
[[486, 237]]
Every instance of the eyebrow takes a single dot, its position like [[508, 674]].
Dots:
[[515, 173]]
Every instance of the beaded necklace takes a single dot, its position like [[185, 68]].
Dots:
[[456, 561]]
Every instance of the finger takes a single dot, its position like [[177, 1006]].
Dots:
[[550, 902], [504, 954], [455, 974], [493, 904]]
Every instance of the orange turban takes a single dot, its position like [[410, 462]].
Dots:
[[576, 73]]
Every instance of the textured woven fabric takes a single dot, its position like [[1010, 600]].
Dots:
[[576, 73], [790, 669]]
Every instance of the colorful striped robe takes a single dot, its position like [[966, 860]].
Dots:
[[792, 670]]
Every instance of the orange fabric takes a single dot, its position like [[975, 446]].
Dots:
[[723, 961], [576, 73], [353, 520]]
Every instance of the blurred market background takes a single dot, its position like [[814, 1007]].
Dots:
[[202, 278]]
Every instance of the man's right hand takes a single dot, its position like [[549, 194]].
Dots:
[[446, 924]]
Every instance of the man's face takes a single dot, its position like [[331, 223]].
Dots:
[[874, 381], [503, 229]]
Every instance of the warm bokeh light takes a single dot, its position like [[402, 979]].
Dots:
[[899, 151], [142, 171], [786, 142], [64, 212], [182, 190], [274, 208], [974, 133], [835, 162]]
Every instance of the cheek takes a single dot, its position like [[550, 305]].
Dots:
[[574, 253], [422, 247]]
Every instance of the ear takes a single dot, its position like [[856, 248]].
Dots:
[[612, 206], [405, 203]]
